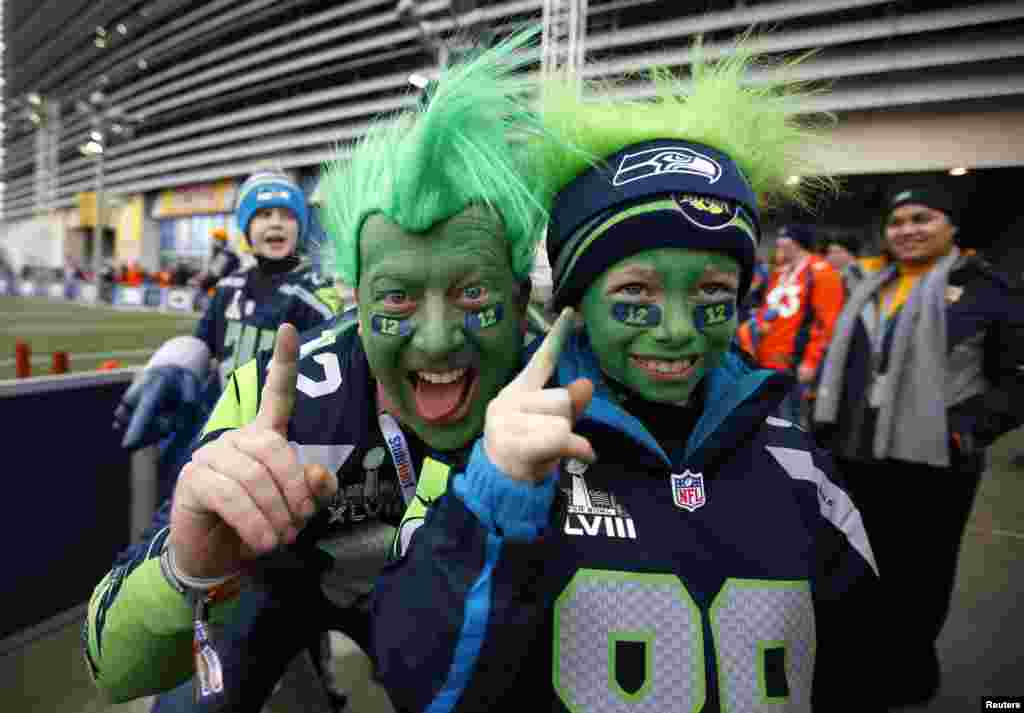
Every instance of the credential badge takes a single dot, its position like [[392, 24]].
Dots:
[[688, 491]]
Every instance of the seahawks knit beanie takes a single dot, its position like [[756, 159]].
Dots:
[[271, 189], [663, 193]]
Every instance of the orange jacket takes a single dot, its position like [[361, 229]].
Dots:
[[794, 325]]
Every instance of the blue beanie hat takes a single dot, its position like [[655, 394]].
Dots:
[[271, 189], [664, 193], [800, 233], [933, 196]]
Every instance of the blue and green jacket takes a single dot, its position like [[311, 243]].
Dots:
[[729, 572]]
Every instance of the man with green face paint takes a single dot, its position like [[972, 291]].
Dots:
[[444, 311], [638, 529], [434, 219]]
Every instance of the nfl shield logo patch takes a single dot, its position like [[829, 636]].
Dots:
[[688, 491]]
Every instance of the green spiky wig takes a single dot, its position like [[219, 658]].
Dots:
[[765, 127], [636, 175], [427, 165]]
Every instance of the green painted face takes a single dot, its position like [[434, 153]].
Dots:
[[441, 321], [661, 319]]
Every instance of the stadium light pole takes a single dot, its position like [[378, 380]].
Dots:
[[93, 149], [103, 121]]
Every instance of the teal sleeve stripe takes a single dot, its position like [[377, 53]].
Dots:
[[514, 509], [476, 615]]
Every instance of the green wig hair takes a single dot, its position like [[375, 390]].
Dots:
[[764, 128], [462, 147]]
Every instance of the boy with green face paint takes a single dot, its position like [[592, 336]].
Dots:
[[638, 528], [434, 219], [660, 320]]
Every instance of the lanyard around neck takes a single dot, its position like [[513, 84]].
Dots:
[[398, 447], [790, 276]]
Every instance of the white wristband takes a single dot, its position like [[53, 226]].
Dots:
[[183, 582]]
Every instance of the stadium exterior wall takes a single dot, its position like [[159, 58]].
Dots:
[[886, 141]]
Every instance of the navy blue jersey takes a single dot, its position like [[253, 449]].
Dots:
[[726, 570], [335, 423], [248, 307], [320, 582]]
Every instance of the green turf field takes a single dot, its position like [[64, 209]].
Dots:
[[90, 335]]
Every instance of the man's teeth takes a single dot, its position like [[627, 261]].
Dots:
[[441, 377], [665, 367]]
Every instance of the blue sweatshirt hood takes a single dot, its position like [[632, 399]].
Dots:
[[727, 387]]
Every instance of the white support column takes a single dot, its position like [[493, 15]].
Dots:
[[563, 38], [54, 127]]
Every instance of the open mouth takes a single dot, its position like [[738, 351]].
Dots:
[[666, 369], [443, 397]]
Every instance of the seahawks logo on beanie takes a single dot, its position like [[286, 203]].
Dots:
[[672, 159], [271, 189], [662, 193]]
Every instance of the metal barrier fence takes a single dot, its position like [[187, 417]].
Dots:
[[167, 299], [71, 506]]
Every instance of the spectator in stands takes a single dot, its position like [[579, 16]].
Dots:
[[164, 278], [134, 275], [6, 271], [181, 273], [74, 270], [223, 261], [925, 369], [841, 251], [791, 329]]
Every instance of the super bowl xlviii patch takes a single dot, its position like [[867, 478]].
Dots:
[[372, 461], [591, 512], [667, 159], [688, 491]]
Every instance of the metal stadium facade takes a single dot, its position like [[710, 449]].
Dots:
[[142, 117]]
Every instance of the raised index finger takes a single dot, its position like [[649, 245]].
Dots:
[[278, 396], [543, 362]]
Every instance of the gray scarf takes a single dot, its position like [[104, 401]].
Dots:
[[911, 422]]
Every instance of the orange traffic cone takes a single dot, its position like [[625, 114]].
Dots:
[[22, 360]]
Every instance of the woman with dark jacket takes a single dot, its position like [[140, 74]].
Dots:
[[925, 364]]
